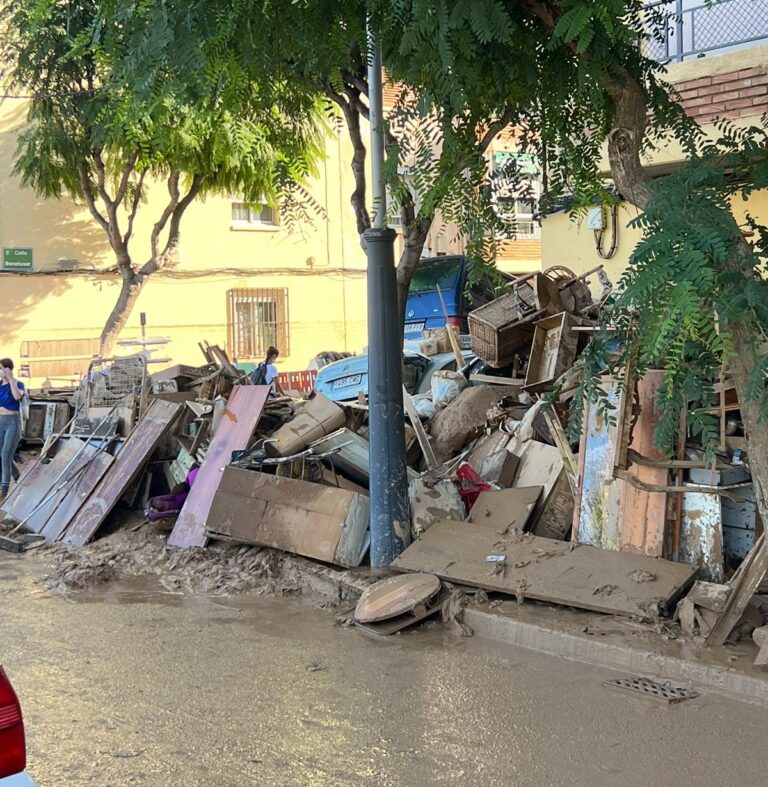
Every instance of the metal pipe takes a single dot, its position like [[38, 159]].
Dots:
[[376, 114]]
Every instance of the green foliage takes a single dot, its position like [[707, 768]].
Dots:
[[684, 286], [122, 90]]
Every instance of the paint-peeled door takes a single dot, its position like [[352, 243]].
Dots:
[[596, 518]]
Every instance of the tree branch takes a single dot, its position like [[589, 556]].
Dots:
[[125, 179], [494, 129], [358, 83], [157, 261], [352, 117], [173, 190], [85, 187], [134, 208]]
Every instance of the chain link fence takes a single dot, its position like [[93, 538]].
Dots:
[[689, 29]]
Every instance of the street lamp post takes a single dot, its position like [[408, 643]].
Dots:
[[390, 518]]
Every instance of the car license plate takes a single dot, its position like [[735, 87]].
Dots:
[[345, 382], [410, 327]]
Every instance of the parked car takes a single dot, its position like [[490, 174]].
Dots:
[[424, 309], [13, 746], [343, 380]]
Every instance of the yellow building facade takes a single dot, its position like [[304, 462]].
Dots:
[[727, 84], [245, 278]]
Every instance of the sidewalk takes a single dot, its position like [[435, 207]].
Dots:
[[623, 645]]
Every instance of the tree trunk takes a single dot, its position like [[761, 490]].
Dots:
[[413, 246], [624, 145], [129, 293]]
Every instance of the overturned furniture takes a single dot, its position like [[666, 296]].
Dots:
[[317, 521]]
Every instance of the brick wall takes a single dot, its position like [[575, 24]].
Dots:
[[521, 249], [741, 93]]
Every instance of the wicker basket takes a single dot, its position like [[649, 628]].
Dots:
[[503, 327]]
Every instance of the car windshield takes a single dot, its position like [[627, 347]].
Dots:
[[433, 273]]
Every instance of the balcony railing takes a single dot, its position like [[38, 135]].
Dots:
[[689, 29]]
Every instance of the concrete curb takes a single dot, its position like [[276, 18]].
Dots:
[[637, 660]]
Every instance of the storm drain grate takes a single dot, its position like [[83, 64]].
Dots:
[[666, 692]]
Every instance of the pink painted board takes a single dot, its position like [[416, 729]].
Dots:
[[233, 434]]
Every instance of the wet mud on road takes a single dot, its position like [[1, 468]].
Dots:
[[130, 683]]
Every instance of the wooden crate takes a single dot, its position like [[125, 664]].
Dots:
[[504, 326], [553, 350]]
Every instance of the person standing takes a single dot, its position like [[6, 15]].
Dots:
[[266, 372], [11, 394]]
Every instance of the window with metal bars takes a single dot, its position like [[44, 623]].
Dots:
[[256, 320]]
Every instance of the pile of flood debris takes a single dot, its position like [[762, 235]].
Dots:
[[501, 501]]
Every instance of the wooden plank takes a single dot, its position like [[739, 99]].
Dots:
[[39, 480], [421, 435], [743, 586], [77, 493], [295, 516], [561, 441], [129, 462], [49, 506], [506, 510], [234, 433], [547, 570], [491, 380], [543, 464], [644, 514]]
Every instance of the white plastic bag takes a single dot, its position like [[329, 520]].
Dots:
[[424, 406], [446, 386]]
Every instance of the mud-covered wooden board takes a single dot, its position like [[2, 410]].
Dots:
[[547, 570], [308, 519], [129, 462]]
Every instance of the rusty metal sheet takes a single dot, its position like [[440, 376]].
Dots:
[[395, 596], [644, 514], [129, 462], [39, 480], [237, 425]]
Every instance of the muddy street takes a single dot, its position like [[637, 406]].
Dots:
[[130, 684]]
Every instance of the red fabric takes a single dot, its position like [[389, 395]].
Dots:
[[470, 485]]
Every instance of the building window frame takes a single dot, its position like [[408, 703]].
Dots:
[[256, 216], [257, 318]]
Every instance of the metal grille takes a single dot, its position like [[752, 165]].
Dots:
[[653, 689], [257, 320], [686, 29]]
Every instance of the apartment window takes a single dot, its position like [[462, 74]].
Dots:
[[257, 320], [521, 209], [246, 215]]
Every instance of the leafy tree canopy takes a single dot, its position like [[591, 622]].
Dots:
[[109, 111]]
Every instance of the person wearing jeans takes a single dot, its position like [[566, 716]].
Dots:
[[11, 394]]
